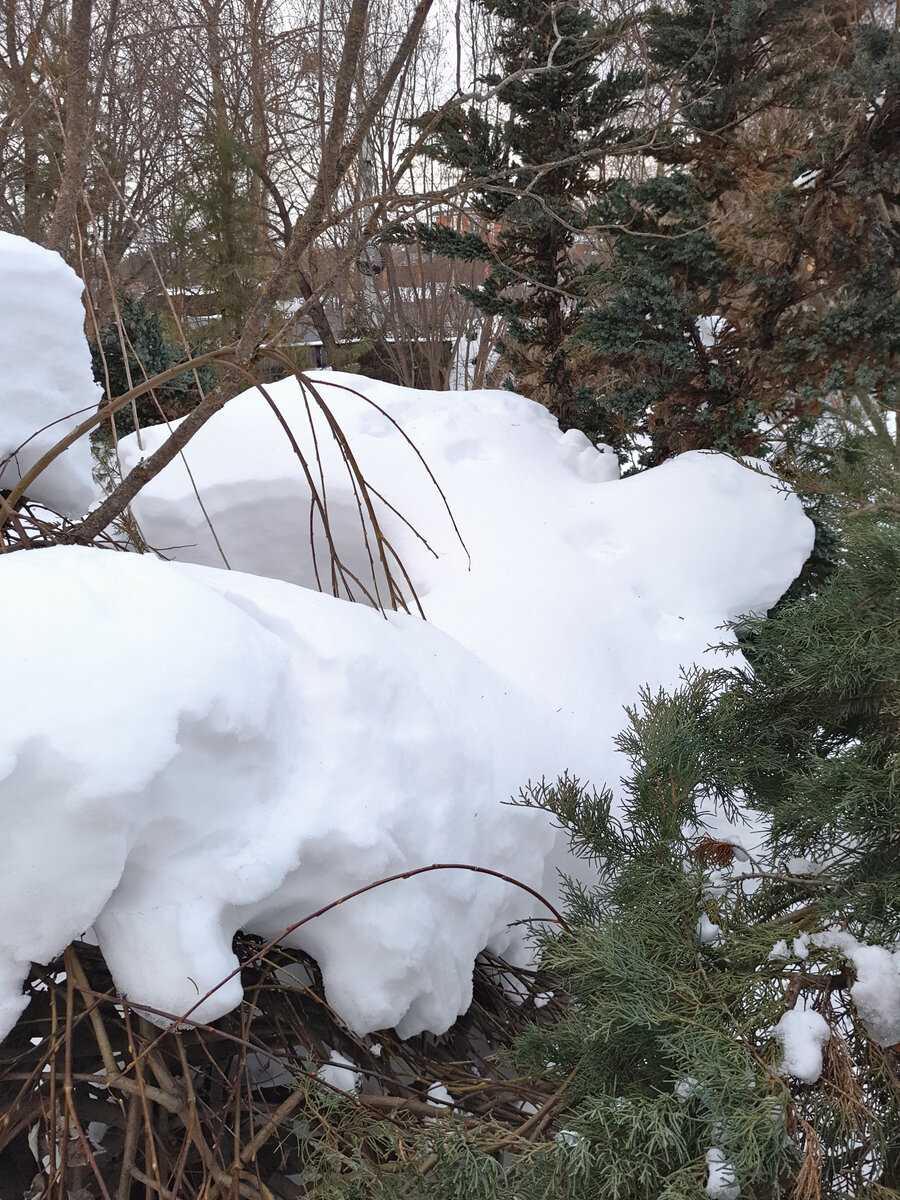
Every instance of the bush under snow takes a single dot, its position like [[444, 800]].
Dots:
[[190, 750]]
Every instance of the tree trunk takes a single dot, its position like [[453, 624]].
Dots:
[[77, 130]]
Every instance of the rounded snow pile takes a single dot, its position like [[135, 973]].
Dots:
[[46, 384], [192, 752]]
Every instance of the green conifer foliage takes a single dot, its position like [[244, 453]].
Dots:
[[221, 224], [530, 174], [754, 268], [147, 353], [822, 701], [671, 1033]]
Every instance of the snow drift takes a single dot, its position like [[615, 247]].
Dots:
[[199, 750]]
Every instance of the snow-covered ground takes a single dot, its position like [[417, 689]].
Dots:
[[192, 750]]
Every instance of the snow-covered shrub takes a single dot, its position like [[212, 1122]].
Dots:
[[575, 585], [46, 387], [194, 750]]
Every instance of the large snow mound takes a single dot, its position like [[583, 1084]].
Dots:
[[191, 752], [194, 750], [577, 586], [46, 384]]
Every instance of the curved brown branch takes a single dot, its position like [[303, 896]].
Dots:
[[369, 887]]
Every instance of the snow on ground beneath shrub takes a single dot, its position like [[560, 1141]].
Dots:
[[191, 752], [575, 585], [46, 384]]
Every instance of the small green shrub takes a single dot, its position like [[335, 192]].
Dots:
[[147, 352]]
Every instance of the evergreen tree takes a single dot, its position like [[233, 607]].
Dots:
[[220, 222], [531, 172], [755, 264], [147, 353]]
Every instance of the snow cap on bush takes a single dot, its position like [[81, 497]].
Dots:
[[46, 384]]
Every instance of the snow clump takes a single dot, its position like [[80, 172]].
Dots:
[[708, 933], [876, 991], [720, 1183], [804, 1034], [339, 1073]]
